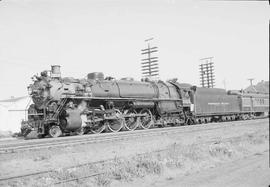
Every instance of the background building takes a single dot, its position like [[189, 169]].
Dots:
[[12, 112], [261, 87]]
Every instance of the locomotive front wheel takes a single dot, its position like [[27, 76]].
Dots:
[[55, 131], [116, 124], [147, 119], [131, 122], [80, 131]]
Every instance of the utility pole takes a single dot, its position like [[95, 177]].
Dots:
[[250, 80], [206, 69], [224, 83], [149, 64]]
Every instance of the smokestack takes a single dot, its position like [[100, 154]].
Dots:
[[55, 71]]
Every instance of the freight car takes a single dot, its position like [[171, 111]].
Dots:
[[97, 104]]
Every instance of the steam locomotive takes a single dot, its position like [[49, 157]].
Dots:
[[96, 104]]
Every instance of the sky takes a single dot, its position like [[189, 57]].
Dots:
[[107, 36]]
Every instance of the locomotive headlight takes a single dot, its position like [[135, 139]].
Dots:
[[29, 90]]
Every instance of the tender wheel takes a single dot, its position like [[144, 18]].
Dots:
[[189, 119], [55, 131], [116, 125], [131, 122], [147, 120]]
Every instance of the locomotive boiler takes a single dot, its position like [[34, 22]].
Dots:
[[95, 104]]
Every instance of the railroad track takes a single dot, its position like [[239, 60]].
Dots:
[[98, 138]]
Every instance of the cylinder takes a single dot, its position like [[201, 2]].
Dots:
[[73, 119]]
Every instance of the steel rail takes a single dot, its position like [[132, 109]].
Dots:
[[77, 140], [5, 144], [83, 140]]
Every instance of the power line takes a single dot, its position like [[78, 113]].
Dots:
[[206, 69], [251, 81], [149, 65]]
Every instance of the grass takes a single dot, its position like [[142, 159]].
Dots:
[[42, 157], [221, 150], [178, 158], [123, 169], [185, 158], [257, 139]]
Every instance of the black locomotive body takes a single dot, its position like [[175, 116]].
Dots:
[[97, 104]]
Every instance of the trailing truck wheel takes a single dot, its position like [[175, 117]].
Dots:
[[147, 120], [116, 125], [131, 122], [55, 131]]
